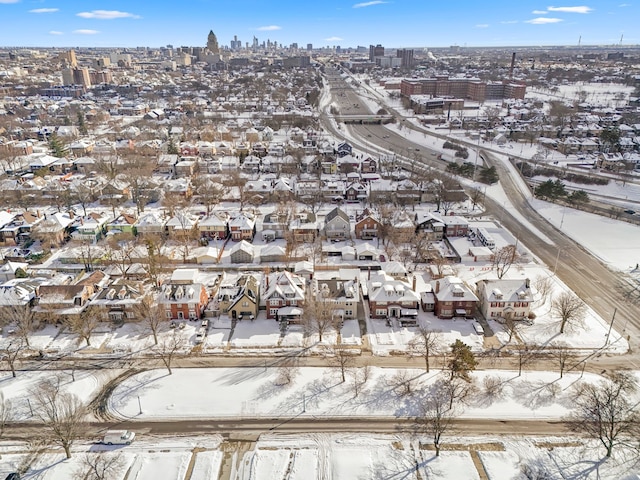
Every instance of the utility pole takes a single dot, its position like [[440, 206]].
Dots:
[[611, 325]]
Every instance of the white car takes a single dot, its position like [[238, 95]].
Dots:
[[478, 328], [118, 437]]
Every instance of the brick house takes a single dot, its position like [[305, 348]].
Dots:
[[283, 296], [182, 296], [453, 298], [390, 298]]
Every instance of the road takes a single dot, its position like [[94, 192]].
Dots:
[[235, 428]]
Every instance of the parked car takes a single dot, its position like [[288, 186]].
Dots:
[[630, 212], [478, 328], [205, 323], [13, 476]]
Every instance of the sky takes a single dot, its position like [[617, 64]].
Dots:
[[392, 23]]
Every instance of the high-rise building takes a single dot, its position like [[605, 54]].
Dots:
[[377, 51], [309, 47], [70, 58], [212, 43], [76, 76], [407, 57]]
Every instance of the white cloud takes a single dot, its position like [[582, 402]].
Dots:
[[482, 25], [55, 32], [86, 31], [581, 9], [539, 12], [333, 39], [509, 22], [9, 1], [106, 14], [44, 10], [269, 28], [368, 4], [543, 20], [622, 5]]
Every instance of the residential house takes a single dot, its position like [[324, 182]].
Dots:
[[356, 192], [453, 298], [242, 227], [91, 227], [183, 296], [431, 226], [18, 229], [369, 165], [344, 149], [120, 301], [182, 223], [214, 226], [55, 228], [337, 225], [391, 298], [283, 296], [123, 223], [245, 304], [152, 223], [455, 226], [9, 270], [304, 227], [272, 253], [242, 252], [505, 299], [340, 295], [367, 227], [274, 225]]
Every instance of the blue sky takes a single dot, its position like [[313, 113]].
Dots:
[[393, 23]]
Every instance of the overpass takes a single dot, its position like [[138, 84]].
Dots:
[[365, 119]]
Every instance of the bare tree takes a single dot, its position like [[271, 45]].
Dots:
[[100, 466], [341, 358], [360, 378], [317, 316], [62, 413], [526, 354], [22, 317], [122, 251], [169, 348], [402, 382], [475, 195], [85, 323], [436, 417], [543, 284], [155, 260], [493, 386], [512, 326], [457, 390], [287, 370], [563, 355], [424, 344], [11, 353], [151, 314], [569, 308], [606, 411], [504, 258]]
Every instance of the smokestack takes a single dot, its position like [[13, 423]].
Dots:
[[513, 63]]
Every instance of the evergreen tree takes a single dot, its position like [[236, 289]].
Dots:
[[489, 175], [82, 126], [56, 146], [462, 362]]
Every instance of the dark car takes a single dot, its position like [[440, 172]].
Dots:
[[13, 476], [630, 212]]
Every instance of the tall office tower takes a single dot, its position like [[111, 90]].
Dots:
[[212, 43], [309, 47], [407, 57], [377, 51]]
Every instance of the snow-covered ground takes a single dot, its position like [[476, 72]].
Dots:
[[316, 456], [319, 392]]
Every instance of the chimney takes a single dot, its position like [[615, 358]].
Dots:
[[513, 63], [38, 213], [527, 283], [437, 286], [414, 282]]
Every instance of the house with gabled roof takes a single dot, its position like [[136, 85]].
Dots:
[[55, 228], [367, 226], [245, 304], [283, 296], [151, 223], [242, 227], [124, 223], [242, 252], [91, 227], [337, 225], [214, 226], [344, 149]]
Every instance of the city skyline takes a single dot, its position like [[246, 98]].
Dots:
[[393, 23]]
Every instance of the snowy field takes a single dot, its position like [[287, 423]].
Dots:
[[319, 392]]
